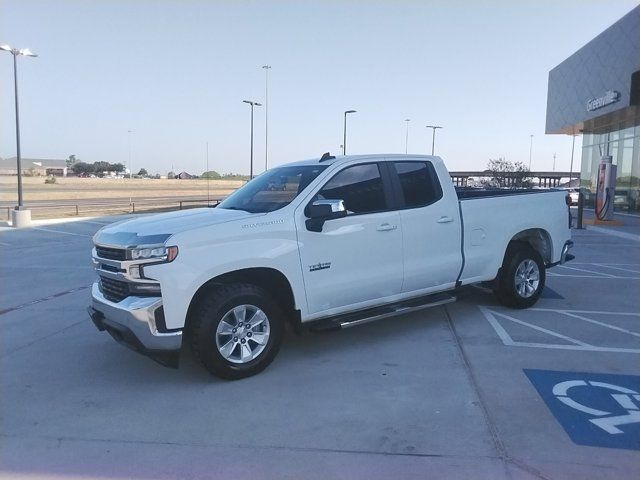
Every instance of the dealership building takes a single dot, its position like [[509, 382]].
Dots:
[[596, 93]]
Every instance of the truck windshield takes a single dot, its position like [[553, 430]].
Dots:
[[273, 189]]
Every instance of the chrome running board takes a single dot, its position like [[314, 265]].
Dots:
[[378, 313]]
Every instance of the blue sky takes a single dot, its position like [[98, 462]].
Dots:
[[176, 72]]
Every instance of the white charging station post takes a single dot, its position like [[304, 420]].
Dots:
[[606, 188]]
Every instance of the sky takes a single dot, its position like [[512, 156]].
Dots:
[[175, 73]]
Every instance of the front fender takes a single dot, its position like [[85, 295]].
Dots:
[[196, 265]]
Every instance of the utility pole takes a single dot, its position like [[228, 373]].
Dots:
[[530, 150]]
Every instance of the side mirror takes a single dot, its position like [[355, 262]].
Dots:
[[322, 210]]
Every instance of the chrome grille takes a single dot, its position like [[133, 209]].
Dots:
[[111, 253], [114, 290]]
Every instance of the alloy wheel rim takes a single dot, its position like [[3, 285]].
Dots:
[[527, 278], [242, 334]]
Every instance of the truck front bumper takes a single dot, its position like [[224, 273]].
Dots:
[[132, 322]]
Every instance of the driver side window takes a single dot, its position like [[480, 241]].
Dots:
[[359, 186]]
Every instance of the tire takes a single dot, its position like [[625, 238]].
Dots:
[[219, 336], [522, 277]]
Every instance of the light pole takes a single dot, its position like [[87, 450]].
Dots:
[[433, 140], [406, 137], [253, 104], [573, 146], [26, 53], [530, 150], [129, 132], [266, 116], [344, 139]]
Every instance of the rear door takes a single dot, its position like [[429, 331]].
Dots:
[[431, 227], [356, 259]]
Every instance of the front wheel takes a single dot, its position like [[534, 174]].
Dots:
[[522, 277], [236, 331]]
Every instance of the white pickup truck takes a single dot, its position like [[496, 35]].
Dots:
[[342, 241]]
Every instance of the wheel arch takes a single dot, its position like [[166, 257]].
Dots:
[[270, 279], [538, 239]]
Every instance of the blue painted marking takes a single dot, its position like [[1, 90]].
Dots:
[[595, 409]]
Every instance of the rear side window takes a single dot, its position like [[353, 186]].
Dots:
[[419, 183], [359, 186]]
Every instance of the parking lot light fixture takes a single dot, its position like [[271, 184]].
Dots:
[[344, 139], [25, 52], [433, 140], [253, 104], [406, 138]]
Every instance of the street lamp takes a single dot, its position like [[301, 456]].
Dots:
[[129, 132], [253, 104], [344, 140], [433, 140], [19, 219], [266, 116], [573, 146], [530, 151], [406, 138]]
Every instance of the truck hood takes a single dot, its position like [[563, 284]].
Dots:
[[156, 229]]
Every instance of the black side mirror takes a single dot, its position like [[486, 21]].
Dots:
[[322, 210]]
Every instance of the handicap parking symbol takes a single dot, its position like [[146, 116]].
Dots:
[[600, 410]]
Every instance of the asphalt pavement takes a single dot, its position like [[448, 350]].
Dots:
[[470, 390]]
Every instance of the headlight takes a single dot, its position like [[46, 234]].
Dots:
[[167, 254]]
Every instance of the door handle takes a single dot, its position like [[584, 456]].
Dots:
[[386, 227], [445, 219]]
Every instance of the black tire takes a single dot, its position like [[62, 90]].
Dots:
[[208, 315], [507, 288]]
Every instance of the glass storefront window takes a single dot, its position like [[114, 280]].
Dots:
[[624, 147]]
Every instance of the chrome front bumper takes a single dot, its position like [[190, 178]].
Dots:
[[132, 322]]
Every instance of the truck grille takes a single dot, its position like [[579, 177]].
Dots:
[[114, 290], [111, 253]]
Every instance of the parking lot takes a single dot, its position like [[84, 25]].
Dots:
[[468, 390]]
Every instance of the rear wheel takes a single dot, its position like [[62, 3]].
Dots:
[[236, 331], [522, 277]]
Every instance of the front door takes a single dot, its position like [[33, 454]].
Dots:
[[356, 259]]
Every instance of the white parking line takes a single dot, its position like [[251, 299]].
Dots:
[[51, 230], [610, 277], [602, 324], [616, 268], [585, 270], [507, 340]]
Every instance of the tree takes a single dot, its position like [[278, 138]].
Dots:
[[72, 160], [143, 172], [212, 175], [81, 167], [504, 173], [171, 175], [100, 167], [116, 167]]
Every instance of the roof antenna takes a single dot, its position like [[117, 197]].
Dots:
[[326, 156]]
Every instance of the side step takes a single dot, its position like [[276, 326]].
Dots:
[[378, 313]]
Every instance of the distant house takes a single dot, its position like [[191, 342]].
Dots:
[[184, 176], [34, 166]]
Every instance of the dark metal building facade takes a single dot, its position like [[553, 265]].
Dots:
[[596, 93]]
